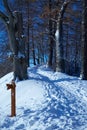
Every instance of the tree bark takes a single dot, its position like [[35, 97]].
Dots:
[[51, 42], [14, 25], [28, 33], [84, 41], [60, 67], [33, 48]]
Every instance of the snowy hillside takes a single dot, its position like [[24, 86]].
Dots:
[[47, 101]]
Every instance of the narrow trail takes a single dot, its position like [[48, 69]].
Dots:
[[60, 109], [63, 104]]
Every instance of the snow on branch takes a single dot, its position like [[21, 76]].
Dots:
[[62, 10]]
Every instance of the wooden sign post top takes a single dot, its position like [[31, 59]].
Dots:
[[12, 86]]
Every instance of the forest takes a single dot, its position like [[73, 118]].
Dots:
[[43, 64], [37, 32]]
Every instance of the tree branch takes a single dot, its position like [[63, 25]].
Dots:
[[7, 7], [63, 8], [3, 17]]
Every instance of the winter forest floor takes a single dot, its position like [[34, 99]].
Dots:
[[47, 101]]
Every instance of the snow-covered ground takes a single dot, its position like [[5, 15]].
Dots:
[[47, 101]]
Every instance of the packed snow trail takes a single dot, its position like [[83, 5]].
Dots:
[[47, 101]]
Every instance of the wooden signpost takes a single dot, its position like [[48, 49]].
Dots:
[[12, 86]]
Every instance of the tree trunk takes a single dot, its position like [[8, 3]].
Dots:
[[28, 34], [33, 48], [58, 36], [84, 41], [59, 48], [51, 42], [17, 40], [14, 25]]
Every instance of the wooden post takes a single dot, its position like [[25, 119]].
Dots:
[[12, 86]]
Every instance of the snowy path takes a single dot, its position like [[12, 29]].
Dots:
[[53, 101]]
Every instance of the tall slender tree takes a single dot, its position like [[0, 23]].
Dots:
[[28, 30], [58, 36], [51, 41], [84, 41]]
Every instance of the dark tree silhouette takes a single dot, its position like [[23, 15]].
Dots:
[[14, 24], [84, 41]]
